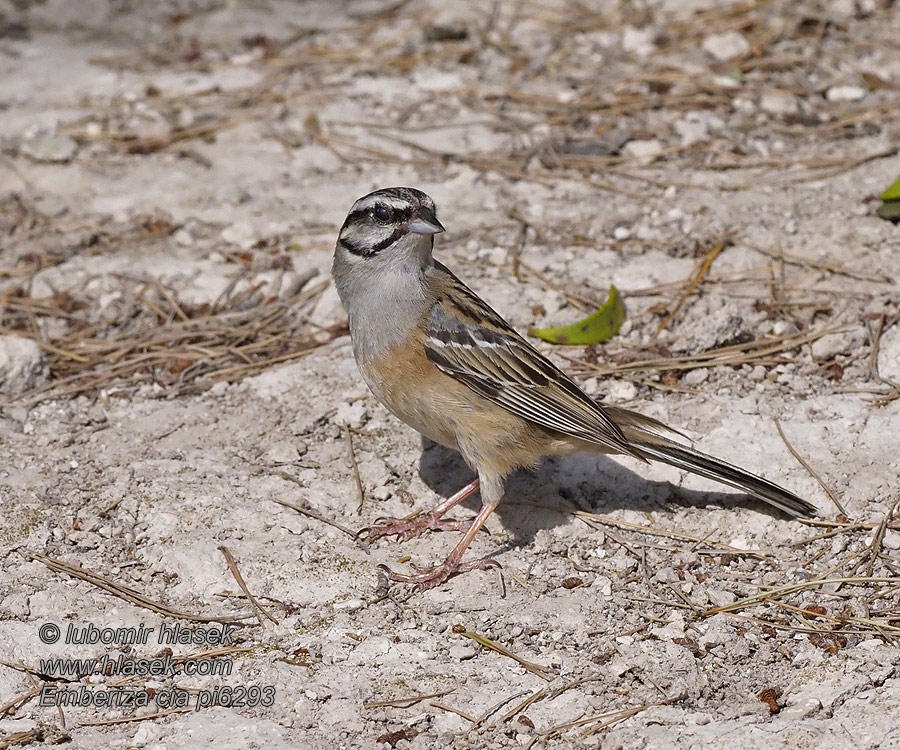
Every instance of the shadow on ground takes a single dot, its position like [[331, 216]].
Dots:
[[540, 498]]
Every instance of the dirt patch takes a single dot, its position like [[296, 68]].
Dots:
[[172, 179]]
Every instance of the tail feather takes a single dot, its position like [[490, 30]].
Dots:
[[646, 436]]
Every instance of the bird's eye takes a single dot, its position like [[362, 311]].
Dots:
[[382, 213]]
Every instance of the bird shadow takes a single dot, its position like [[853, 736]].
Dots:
[[541, 498]]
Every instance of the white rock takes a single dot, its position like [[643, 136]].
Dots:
[[675, 628], [845, 93], [828, 347], [183, 237], [50, 149], [726, 46], [621, 390], [353, 415], [283, 452], [638, 41], [694, 127], [603, 585], [889, 354], [726, 82], [891, 539], [147, 732], [843, 9], [643, 151], [758, 373], [695, 377], [242, 234], [462, 651], [778, 102], [23, 365], [719, 597]]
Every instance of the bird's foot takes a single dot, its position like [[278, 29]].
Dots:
[[410, 528], [428, 578]]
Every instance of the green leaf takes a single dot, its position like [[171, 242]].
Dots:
[[601, 326], [892, 193]]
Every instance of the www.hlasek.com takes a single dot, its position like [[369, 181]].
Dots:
[[163, 666]]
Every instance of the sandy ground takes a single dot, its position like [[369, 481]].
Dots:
[[173, 154]]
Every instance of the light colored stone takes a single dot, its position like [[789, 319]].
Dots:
[[695, 377], [23, 365], [727, 46], [49, 149], [462, 651], [845, 93], [638, 41], [778, 102], [353, 415], [643, 151], [183, 237], [720, 597], [889, 354], [758, 373], [283, 452], [241, 233], [692, 130], [828, 347], [621, 390]]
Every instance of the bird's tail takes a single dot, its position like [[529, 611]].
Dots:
[[646, 436]]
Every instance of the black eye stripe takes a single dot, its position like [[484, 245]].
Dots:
[[353, 247], [399, 214]]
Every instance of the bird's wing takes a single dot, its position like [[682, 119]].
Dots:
[[470, 342]]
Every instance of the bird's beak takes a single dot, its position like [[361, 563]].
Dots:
[[425, 222]]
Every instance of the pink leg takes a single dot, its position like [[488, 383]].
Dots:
[[416, 525], [431, 577]]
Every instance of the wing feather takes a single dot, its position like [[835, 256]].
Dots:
[[469, 341]]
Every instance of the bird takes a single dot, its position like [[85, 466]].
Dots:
[[443, 361]]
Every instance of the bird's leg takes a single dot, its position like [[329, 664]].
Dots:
[[491, 493], [413, 526], [430, 577]]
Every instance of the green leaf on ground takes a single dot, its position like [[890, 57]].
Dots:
[[892, 193], [601, 326]]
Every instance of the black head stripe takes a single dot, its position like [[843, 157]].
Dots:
[[367, 251], [387, 241], [352, 247]]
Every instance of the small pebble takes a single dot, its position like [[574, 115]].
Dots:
[[695, 377], [643, 152], [779, 103], [845, 93], [462, 651], [621, 390], [726, 46], [758, 373], [49, 149]]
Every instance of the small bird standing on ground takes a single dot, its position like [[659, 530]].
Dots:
[[440, 359]]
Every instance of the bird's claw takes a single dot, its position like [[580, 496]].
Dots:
[[410, 528], [428, 577]]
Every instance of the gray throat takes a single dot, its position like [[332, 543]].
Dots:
[[384, 302]]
